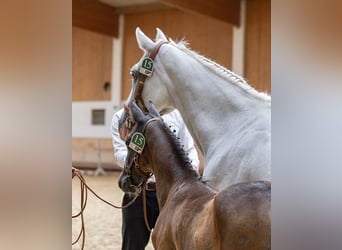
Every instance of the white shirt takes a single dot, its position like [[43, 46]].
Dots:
[[175, 122]]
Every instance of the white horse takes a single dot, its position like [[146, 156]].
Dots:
[[228, 119]]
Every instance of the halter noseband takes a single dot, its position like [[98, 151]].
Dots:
[[138, 96]]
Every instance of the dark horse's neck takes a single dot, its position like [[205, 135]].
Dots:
[[171, 166]]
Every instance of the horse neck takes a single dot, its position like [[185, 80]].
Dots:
[[169, 167], [195, 90]]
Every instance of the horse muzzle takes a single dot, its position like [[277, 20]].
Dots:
[[126, 184]]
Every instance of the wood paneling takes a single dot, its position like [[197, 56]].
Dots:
[[86, 150], [95, 16], [91, 65], [258, 44], [224, 10], [207, 36]]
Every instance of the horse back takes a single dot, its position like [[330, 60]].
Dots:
[[242, 216]]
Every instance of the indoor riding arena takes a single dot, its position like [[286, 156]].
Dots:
[[233, 33]]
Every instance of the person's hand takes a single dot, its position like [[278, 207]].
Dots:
[[73, 171]]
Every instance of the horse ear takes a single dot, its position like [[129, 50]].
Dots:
[[160, 35], [136, 112], [144, 42], [153, 109]]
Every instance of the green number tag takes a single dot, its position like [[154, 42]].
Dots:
[[147, 67], [137, 142]]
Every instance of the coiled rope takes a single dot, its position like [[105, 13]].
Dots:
[[84, 196]]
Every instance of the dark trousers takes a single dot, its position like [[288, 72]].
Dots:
[[135, 235]]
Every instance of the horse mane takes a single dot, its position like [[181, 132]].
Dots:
[[221, 70], [180, 152]]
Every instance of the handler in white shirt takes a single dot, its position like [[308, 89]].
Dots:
[[135, 235]]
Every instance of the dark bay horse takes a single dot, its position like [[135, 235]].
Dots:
[[193, 216]]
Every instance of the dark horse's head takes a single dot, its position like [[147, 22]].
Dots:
[[137, 166]]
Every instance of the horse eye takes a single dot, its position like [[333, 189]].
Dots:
[[134, 73]]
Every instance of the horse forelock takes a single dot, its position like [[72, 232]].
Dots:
[[220, 70]]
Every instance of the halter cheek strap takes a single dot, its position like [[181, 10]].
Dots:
[[138, 96], [137, 156]]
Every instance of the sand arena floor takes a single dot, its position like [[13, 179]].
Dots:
[[102, 222]]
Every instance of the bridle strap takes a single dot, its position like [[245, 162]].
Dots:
[[145, 209], [138, 96], [136, 163], [150, 121], [137, 156]]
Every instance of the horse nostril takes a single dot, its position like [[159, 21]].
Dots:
[[122, 180], [126, 184]]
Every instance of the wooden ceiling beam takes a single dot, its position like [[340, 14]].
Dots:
[[143, 8], [95, 16], [224, 10]]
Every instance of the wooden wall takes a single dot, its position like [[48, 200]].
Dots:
[[258, 44], [91, 65], [207, 36], [85, 152]]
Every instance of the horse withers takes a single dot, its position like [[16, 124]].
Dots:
[[193, 216]]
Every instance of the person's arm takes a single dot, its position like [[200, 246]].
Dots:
[[120, 150]]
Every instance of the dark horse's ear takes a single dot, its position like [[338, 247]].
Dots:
[[136, 112], [153, 110]]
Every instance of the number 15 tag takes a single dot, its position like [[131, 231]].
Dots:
[[147, 67], [137, 142]]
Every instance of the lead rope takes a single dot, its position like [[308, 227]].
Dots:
[[145, 210], [84, 197]]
